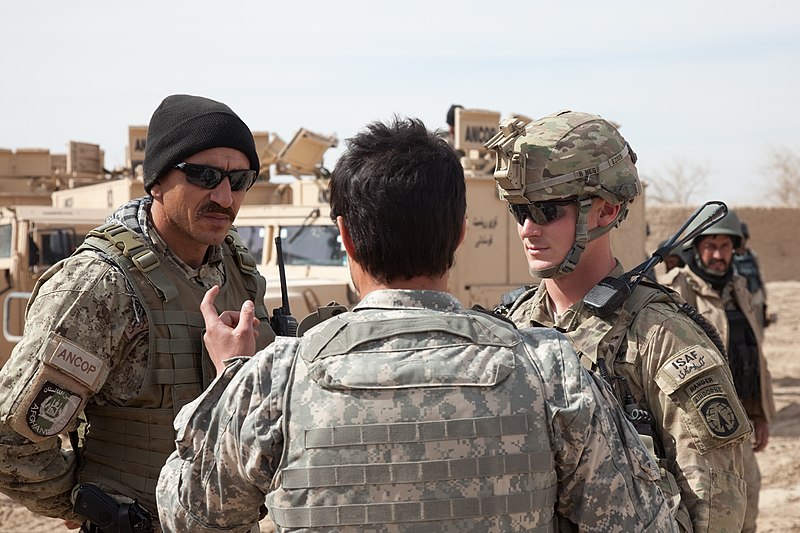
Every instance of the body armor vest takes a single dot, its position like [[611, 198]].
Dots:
[[125, 447], [598, 352], [387, 433], [747, 267], [743, 356]]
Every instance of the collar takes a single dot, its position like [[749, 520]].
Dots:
[[408, 299], [542, 310]]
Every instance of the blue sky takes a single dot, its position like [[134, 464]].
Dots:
[[712, 83]]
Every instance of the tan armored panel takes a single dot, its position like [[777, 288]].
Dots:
[[268, 146], [58, 164], [32, 238], [84, 159], [473, 128], [105, 194], [6, 162], [31, 162], [137, 140], [302, 156]]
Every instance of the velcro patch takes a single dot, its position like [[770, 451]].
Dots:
[[52, 409], [76, 362], [709, 397], [685, 366], [719, 416]]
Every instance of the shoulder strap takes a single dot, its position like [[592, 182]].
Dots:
[[599, 338], [128, 250], [511, 300], [254, 283], [642, 295]]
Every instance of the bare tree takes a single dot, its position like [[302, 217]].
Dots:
[[679, 183], [782, 177]]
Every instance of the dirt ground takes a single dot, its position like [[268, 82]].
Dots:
[[780, 462]]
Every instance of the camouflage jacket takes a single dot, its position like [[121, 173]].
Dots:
[[712, 305], [91, 304], [231, 441], [674, 372]]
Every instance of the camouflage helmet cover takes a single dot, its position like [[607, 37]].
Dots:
[[569, 154]]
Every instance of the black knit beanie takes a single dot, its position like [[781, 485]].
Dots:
[[184, 125]]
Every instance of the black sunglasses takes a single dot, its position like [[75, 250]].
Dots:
[[209, 177], [540, 212]]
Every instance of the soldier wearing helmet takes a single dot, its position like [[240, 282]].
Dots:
[[568, 179], [710, 283]]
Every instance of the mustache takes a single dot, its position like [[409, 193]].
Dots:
[[213, 207]]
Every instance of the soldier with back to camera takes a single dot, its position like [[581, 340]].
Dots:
[[115, 330], [410, 413], [710, 284], [568, 179]]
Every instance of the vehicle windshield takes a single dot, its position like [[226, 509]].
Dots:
[[48, 247], [302, 245], [5, 240]]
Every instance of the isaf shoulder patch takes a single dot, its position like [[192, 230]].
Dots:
[[685, 366], [697, 379]]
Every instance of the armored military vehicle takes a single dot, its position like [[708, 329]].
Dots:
[[294, 206], [32, 238], [34, 235], [489, 263]]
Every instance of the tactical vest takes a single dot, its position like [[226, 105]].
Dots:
[[593, 354], [743, 357], [747, 267], [384, 433], [125, 447]]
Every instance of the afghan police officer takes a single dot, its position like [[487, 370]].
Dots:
[[710, 284], [745, 262], [114, 331], [568, 179], [409, 413]]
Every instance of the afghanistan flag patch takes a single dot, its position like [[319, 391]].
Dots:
[[52, 409]]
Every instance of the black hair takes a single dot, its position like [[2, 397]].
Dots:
[[400, 190], [451, 114]]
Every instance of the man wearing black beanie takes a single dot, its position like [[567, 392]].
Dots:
[[115, 330]]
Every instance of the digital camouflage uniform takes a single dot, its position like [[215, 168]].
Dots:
[[96, 340], [713, 306], [410, 414], [676, 375]]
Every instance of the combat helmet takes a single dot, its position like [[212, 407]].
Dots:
[[568, 154], [727, 225]]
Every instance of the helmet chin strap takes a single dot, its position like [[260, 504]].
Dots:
[[582, 236]]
